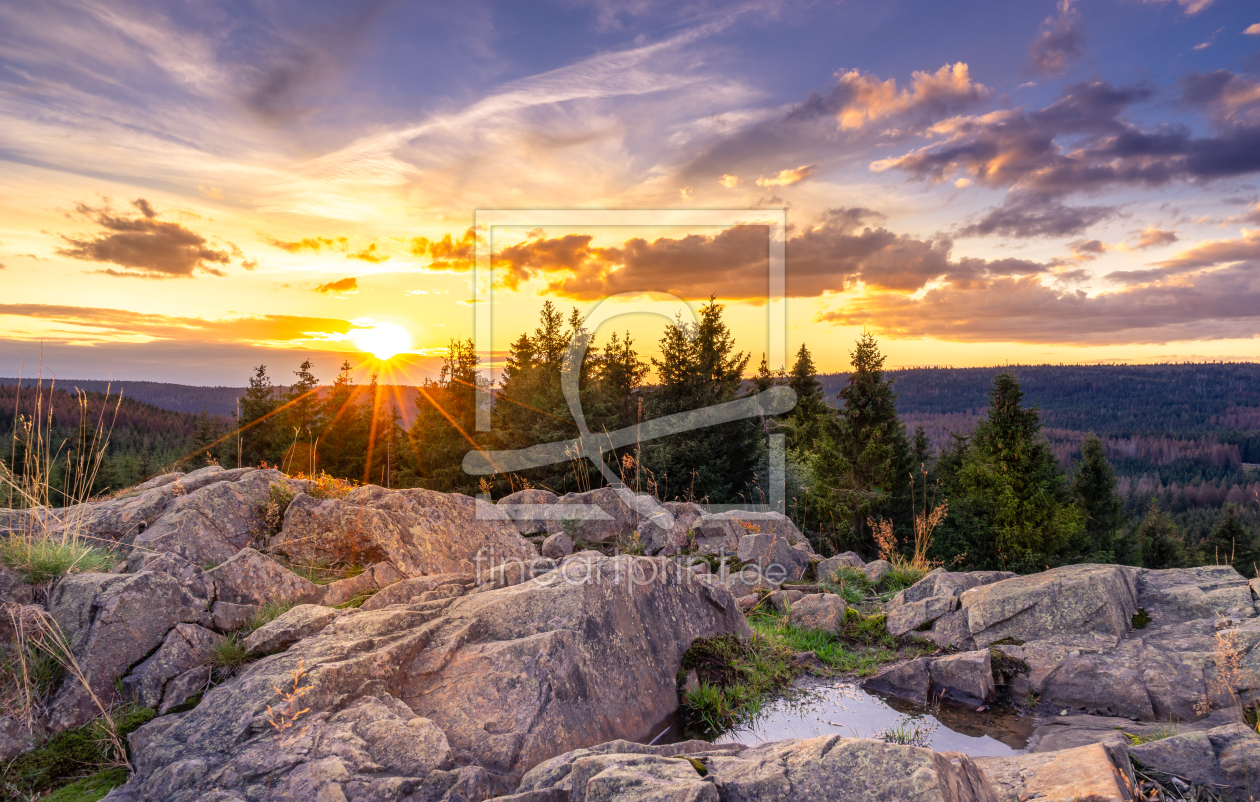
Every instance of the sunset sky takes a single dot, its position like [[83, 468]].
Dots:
[[191, 189]]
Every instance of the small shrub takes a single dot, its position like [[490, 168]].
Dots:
[[268, 612], [38, 558], [322, 486], [1140, 619], [275, 508]]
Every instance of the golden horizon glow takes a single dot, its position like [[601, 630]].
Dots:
[[382, 340]]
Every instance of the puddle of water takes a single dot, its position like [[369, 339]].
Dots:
[[820, 707]]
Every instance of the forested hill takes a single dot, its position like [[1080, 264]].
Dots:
[[175, 397], [1181, 400]]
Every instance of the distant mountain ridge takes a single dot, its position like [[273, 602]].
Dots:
[[175, 397], [1118, 400]]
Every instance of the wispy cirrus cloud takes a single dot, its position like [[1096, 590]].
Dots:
[[86, 324]]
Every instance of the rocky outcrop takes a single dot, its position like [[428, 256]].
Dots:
[[603, 516], [373, 578], [126, 619], [811, 770], [414, 591], [1076, 600], [529, 509], [210, 522], [557, 546], [1224, 757], [185, 648], [249, 577], [826, 569], [508, 678], [1085, 647], [417, 531], [288, 628]]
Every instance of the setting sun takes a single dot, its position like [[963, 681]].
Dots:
[[382, 340]]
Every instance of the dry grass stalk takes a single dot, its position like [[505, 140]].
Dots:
[[1227, 655], [885, 540], [48, 537], [35, 632]]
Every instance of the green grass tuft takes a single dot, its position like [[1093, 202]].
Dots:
[[1140, 619], [357, 601], [38, 559], [902, 576], [735, 675], [228, 654], [268, 612]]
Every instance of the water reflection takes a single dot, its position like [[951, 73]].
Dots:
[[823, 707]]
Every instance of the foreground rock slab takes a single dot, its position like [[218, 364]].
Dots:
[[811, 770], [508, 678], [1092, 772]]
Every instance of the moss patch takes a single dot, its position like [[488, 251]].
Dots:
[[1006, 668], [89, 789], [1140, 619], [69, 755]]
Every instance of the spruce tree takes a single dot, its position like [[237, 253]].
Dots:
[[861, 466], [205, 442], [1094, 487], [699, 367], [1012, 484], [1230, 544], [806, 419], [1162, 543], [257, 423]]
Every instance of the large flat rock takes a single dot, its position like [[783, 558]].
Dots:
[[508, 677]]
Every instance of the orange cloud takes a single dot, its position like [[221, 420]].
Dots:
[[447, 253], [369, 254], [144, 246], [312, 244], [786, 178], [1214, 252], [867, 98], [346, 286], [101, 324]]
